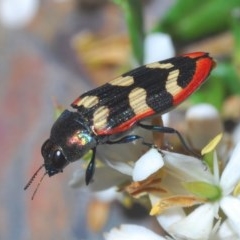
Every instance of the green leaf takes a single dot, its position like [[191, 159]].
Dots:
[[206, 18]]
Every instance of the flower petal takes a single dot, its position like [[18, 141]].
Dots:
[[107, 195], [78, 178], [133, 232], [231, 207], [225, 232], [197, 225], [186, 168], [148, 164], [105, 176], [231, 174]]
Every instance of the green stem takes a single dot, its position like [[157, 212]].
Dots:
[[236, 36], [134, 18]]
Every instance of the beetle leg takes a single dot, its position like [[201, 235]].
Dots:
[[126, 139], [131, 138], [90, 168], [169, 130]]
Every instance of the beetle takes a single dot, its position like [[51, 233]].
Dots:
[[111, 110]]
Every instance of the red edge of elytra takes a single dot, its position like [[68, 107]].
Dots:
[[204, 65]]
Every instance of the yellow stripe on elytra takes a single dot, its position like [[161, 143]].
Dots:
[[137, 100], [171, 84], [100, 117], [160, 65], [88, 101], [122, 81]]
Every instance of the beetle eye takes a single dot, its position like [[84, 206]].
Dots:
[[58, 160], [46, 147]]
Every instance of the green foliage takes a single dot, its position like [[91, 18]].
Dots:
[[189, 20], [134, 18]]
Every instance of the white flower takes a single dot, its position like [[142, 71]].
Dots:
[[17, 14], [133, 232], [157, 47], [229, 182], [150, 167], [199, 223]]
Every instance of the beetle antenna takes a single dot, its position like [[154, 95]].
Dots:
[[33, 177], [35, 191]]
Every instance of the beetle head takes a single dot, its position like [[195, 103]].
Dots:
[[69, 140]]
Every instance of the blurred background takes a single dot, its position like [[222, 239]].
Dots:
[[54, 50]]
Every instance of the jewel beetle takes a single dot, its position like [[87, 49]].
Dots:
[[119, 105]]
